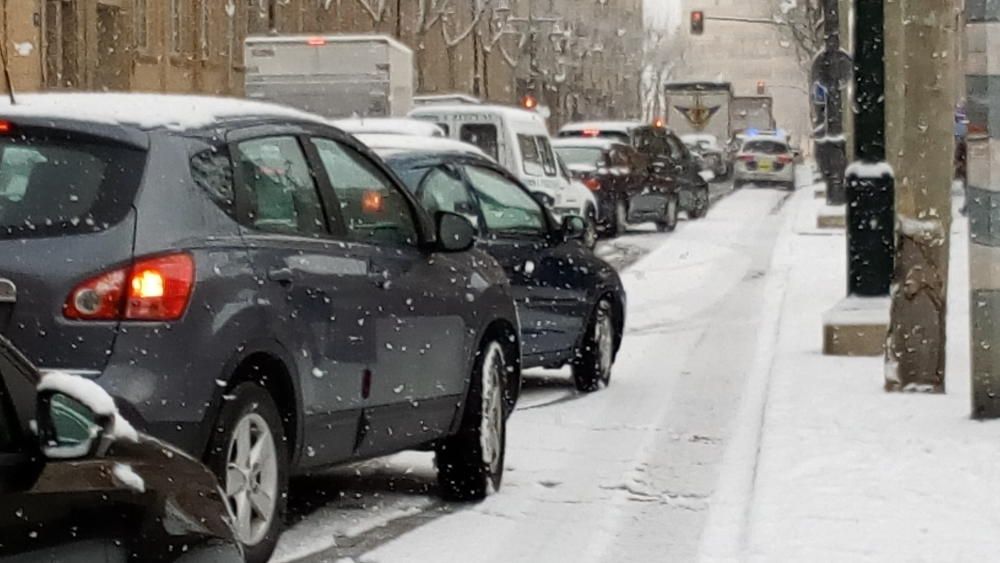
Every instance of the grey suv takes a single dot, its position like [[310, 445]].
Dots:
[[255, 286]]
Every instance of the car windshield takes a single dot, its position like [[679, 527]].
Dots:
[[587, 156], [506, 281]]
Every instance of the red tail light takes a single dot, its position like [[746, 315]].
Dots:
[[785, 159], [746, 157], [151, 289], [593, 184], [5, 127]]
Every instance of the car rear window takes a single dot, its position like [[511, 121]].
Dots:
[[765, 147], [589, 156], [483, 135], [51, 188]]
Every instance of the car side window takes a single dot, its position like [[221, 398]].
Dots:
[[484, 136], [372, 207], [531, 158], [506, 207], [212, 172], [548, 159], [442, 189], [275, 178]]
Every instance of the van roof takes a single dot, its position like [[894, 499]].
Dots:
[[145, 111], [334, 38], [505, 112], [585, 142], [390, 126], [386, 143]]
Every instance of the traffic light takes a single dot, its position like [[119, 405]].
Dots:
[[760, 87], [697, 22], [529, 102]]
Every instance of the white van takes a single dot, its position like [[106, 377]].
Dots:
[[519, 141]]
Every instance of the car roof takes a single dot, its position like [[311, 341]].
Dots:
[[390, 125], [147, 111], [613, 126], [585, 142], [386, 145], [767, 138]]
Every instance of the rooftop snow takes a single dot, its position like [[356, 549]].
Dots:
[[145, 111], [383, 143]]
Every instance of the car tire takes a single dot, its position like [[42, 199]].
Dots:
[[790, 186], [701, 207], [669, 222], [470, 463], [590, 235], [738, 184], [620, 220], [250, 420], [594, 360]]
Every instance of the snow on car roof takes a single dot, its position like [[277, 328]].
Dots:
[[386, 144], [585, 142], [509, 112], [620, 126], [391, 126], [145, 111]]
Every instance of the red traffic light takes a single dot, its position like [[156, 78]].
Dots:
[[529, 102], [658, 123], [697, 22]]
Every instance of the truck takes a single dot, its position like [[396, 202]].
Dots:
[[699, 107], [336, 76], [751, 112]]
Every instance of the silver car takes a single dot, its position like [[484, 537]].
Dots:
[[765, 160]]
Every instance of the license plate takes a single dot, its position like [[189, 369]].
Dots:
[[764, 165]]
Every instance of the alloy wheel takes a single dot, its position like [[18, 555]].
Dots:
[[252, 478]]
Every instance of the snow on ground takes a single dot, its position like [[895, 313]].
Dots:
[[846, 472]]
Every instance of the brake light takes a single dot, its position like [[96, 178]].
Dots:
[[591, 132], [5, 127], [746, 157], [785, 159], [151, 289], [315, 41], [593, 184]]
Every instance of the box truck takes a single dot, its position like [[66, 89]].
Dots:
[[335, 76], [752, 112], [699, 107]]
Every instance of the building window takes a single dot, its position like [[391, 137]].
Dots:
[[176, 26], [141, 25], [204, 33]]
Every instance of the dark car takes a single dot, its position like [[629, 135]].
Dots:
[[256, 287], [669, 158], [571, 303], [79, 484], [618, 175]]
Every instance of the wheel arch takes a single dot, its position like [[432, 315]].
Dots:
[[506, 334]]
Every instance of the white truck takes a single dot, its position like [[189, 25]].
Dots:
[[699, 108], [752, 112], [334, 76]]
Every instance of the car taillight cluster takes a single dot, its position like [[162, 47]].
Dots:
[[151, 289], [746, 158], [593, 184], [785, 159]]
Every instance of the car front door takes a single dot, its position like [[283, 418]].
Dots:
[[314, 288], [418, 313], [541, 269]]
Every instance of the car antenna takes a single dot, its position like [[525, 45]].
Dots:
[[6, 73]]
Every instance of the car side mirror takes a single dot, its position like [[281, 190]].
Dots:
[[455, 233], [574, 227], [76, 418]]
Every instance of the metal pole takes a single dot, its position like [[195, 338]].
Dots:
[[870, 185]]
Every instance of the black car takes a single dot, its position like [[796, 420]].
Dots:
[[79, 484], [571, 304], [620, 177], [669, 158], [243, 275]]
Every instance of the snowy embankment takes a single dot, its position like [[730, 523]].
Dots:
[[844, 471]]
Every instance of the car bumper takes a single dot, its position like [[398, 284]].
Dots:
[[786, 174]]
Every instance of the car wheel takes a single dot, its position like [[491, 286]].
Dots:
[[590, 234], [790, 186], [470, 463], [701, 207], [592, 367], [737, 184], [621, 218], [669, 222], [249, 455]]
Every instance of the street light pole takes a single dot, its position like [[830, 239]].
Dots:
[[870, 184]]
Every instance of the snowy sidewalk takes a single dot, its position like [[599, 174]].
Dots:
[[825, 466]]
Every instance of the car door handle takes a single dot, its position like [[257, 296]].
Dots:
[[284, 276]]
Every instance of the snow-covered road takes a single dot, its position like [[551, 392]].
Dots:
[[620, 475]]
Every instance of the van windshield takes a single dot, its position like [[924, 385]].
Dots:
[[57, 187]]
